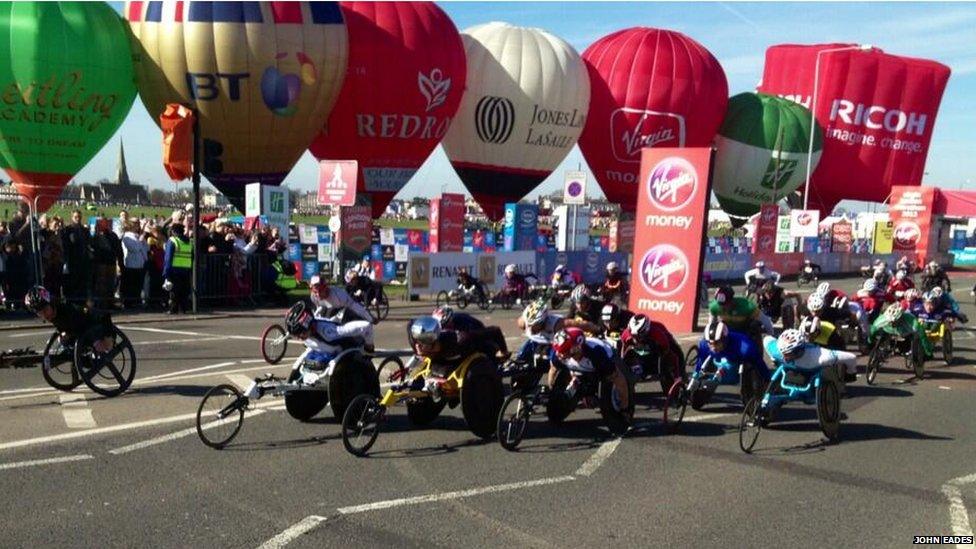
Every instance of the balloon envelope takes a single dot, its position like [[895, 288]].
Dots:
[[66, 73], [877, 110], [523, 111], [761, 152], [263, 77], [404, 83], [649, 88]]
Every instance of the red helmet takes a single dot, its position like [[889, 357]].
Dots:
[[567, 340]]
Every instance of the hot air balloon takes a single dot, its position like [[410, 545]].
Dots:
[[877, 111], [263, 77], [762, 150], [60, 104], [404, 83], [522, 113], [649, 88]]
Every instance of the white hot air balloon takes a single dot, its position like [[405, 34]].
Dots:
[[525, 105]]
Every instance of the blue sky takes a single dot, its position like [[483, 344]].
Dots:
[[736, 33]]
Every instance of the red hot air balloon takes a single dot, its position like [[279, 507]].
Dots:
[[877, 110], [405, 79], [648, 88]]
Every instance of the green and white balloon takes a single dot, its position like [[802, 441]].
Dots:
[[762, 151]]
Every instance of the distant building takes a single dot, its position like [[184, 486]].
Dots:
[[214, 200], [123, 190]]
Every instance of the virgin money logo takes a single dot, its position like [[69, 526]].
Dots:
[[804, 218], [434, 88], [766, 243], [769, 215], [664, 270], [672, 183], [634, 129], [907, 233]]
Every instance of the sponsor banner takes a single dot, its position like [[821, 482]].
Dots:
[[386, 237], [401, 252], [326, 270], [325, 252], [723, 266], [389, 270], [337, 182], [386, 179], [764, 237], [252, 200], [294, 251], [386, 253], [883, 237], [574, 188], [911, 213], [959, 240], [804, 223], [784, 243], [783, 263], [401, 270], [434, 225], [587, 267], [508, 227], [275, 207], [324, 234], [452, 212], [672, 198], [375, 251], [841, 236], [310, 252], [520, 227], [355, 234], [308, 234], [573, 232], [431, 273], [309, 269]]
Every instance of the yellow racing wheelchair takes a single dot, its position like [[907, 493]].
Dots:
[[939, 333], [443, 372]]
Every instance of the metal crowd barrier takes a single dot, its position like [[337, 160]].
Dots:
[[234, 279]]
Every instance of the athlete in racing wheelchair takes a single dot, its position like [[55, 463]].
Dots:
[[726, 357], [898, 332]]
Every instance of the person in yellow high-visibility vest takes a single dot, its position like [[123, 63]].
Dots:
[[177, 268]]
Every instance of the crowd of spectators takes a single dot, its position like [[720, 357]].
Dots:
[[140, 262]]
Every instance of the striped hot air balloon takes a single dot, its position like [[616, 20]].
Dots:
[[762, 149], [649, 88], [262, 75], [523, 111], [404, 83]]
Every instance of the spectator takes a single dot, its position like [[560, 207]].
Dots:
[[135, 254], [76, 243], [154, 265], [177, 266], [108, 261], [123, 223], [52, 255], [16, 272]]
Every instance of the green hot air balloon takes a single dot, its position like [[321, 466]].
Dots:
[[762, 150], [66, 85]]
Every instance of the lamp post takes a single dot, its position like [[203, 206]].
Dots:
[[813, 112]]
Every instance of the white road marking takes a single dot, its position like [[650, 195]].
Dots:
[[26, 390], [596, 460], [292, 532], [705, 417], [451, 495], [181, 372], [32, 334], [173, 436], [48, 461], [958, 514], [187, 340], [185, 333], [943, 387], [77, 414], [242, 381]]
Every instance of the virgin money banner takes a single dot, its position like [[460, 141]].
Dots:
[[911, 214], [434, 219], [452, 222], [877, 112], [804, 223], [764, 238], [672, 197]]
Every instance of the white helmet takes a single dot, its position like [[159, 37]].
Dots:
[[510, 268], [716, 331], [815, 303], [810, 326], [760, 264], [790, 341], [900, 275], [893, 312], [639, 325], [612, 267], [535, 313], [870, 285], [912, 294], [823, 288], [937, 292], [560, 268], [840, 302]]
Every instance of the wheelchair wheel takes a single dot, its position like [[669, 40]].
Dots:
[[917, 358], [699, 397], [462, 301], [828, 408], [361, 424], [274, 343], [58, 366], [481, 397], [108, 374], [304, 405], [750, 425], [220, 415], [875, 361], [380, 309], [513, 421], [559, 405], [617, 421], [424, 410], [749, 384], [391, 370], [351, 377], [675, 405], [443, 298], [691, 359], [947, 347]]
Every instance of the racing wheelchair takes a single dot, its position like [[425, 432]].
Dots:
[[435, 380], [939, 333], [889, 345], [316, 380], [714, 373]]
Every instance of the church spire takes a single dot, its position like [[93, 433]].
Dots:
[[122, 176]]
